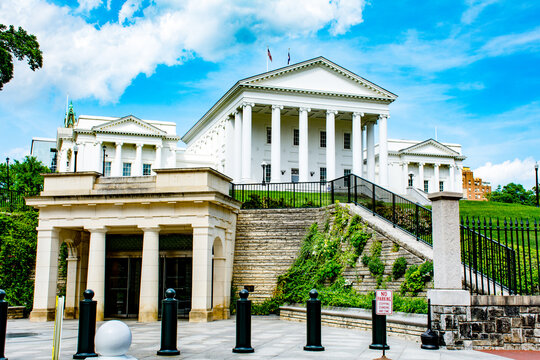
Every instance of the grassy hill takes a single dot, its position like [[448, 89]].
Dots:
[[494, 210]]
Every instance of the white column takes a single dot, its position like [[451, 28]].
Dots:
[[370, 145], [72, 280], [117, 169], [137, 171], [81, 158], [149, 294], [276, 144], [96, 268], [46, 275], [303, 150], [246, 142], [383, 150], [452, 178], [229, 147], [405, 176], [201, 293], [363, 169], [61, 161], [420, 176], [437, 178], [331, 144], [72, 162], [98, 157], [237, 146], [172, 157], [157, 161], [357, 143]]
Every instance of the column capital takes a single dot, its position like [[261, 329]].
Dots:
[[172, 147], [421, 164], [139, 145], [246, 103], [358, 113], [102, 230], [328, 112], [51, 229], [384, 116], [303, 108], [151, 228], [159, 146], [119, 143], [436, 165], [280, 107]]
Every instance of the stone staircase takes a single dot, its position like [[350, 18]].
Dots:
[[267, 242]]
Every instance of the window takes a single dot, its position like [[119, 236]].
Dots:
[[410, 181], [268, 135], [426, 185], [322, 139], [345, 173], [107, 168], [126, 169], [267, 173], [346, 141], [322, 172], [296, 137], [441, 185], [294, 175], [147, 169]]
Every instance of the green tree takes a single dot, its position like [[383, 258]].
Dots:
[[20, 44], [24, 176], [512, 193]]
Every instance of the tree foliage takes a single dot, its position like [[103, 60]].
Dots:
[[24, 176], [17, 43], [513, 193]]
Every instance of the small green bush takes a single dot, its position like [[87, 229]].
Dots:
[[399, 267], [416, 278]]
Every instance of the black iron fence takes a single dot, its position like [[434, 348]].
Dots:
[[500, 257], [11, 200]]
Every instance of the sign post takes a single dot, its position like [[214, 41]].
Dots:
[[384, 305], [57, 333]]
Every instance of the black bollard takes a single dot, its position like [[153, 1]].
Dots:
[[3, 324], [313, 323], [169, 324], [243, 324], [430, 339], [378, 330], [87, 326]]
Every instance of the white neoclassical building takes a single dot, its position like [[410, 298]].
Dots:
[[140, 213]]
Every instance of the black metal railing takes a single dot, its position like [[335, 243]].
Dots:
[[500, 257], [11, 200]]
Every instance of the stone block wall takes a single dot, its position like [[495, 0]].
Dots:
[[490, 322]]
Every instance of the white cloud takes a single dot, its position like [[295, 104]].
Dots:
[[85, 60], [474, 8], [17, 153], [517, 171], [511, 43]]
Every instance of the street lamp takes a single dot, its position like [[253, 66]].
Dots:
[[263, 165], [536, 170], [75, 150], [104, 156]]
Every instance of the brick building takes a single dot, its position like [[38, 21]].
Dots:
[[474, 188]]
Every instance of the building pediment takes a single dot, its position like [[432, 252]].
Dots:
[[429, 147], [319, 75], [129, 125]]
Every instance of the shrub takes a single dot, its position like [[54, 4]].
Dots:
[[399, 267], [416, 278]]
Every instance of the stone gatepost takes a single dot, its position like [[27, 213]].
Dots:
[[448, 296]]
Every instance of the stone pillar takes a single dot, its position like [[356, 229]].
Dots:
[[437, 178], [383, 150], [237, 146], [303, 149], [72, 281], [117, 168], [331, 144], [97, 155], [172, 158], [157, 161], [201, 291], [46, 275], [72, 160], [149, 295], [96, 268], [421, 176], [137, 171], [276, 144], [357, 143], [81, 158], [405, 176], [229, 147], [452, 176], [246, 142], [447, 265], [370, 144]]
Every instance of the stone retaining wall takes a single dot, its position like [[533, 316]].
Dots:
[[407, 326], [491, 322], [15, 312]]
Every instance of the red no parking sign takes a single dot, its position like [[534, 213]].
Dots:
[[383, 302]]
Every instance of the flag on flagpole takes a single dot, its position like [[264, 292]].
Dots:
[[289, 57], [269, 55]]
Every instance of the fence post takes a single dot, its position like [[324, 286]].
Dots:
[[373, 198], [355, 190], [293, 194], [349, 189], [394, 209], [332, 190], [446, 251], [417, 221], [3, 323]]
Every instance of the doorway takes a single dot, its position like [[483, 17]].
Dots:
[[175, 273], [122, 286]]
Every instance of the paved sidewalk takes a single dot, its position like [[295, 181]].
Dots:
[[272, 338]]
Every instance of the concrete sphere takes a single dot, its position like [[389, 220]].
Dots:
[[113, 338]]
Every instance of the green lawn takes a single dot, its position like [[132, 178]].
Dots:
[[489, 209]]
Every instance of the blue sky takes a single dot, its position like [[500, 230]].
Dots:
[[469, 69]]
